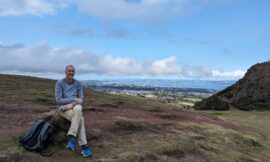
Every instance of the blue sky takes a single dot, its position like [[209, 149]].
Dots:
[[186, 39]]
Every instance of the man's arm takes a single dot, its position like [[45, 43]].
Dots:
[[58, 95], [79, 100]]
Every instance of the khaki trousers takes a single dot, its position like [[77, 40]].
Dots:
[[77, 123]]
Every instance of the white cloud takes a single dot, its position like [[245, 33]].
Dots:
[[142, 10], [41, 59], [145, 10], [233, 74], [165, 66], [118, 33], [31, 7]]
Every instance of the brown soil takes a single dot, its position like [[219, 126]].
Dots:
[[15, 120]]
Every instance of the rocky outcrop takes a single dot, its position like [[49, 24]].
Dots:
[[250, 92], [62, 125]]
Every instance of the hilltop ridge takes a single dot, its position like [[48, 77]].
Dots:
[[249, 93]]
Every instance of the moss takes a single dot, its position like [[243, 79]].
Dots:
[[100, 145], [245, 158], [180, 148], [129, 156], [239, 139], [218, 113], [106, 160], [210, 148]]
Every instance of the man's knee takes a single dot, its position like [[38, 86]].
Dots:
[[77, 108]]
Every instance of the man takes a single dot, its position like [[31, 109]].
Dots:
[[69, 94]]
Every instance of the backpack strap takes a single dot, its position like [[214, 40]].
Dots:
[[47, 130], [43, 135]]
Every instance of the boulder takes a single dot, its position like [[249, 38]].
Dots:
[[59, 122]]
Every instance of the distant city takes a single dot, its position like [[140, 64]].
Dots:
[[177, 83], [184, 92]]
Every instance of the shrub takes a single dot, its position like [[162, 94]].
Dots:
[[213, 103], [247, 104]]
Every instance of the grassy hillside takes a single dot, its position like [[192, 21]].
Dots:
[[249, 93], [126, 128]]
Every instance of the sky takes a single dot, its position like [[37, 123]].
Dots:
[[185, 39]]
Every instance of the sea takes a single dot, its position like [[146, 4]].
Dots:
[[202, 84]]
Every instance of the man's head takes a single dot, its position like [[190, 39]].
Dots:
[[70, 71]]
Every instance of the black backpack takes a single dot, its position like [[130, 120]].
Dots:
[[37, 136]]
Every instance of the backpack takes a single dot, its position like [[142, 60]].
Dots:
[[37, 136]]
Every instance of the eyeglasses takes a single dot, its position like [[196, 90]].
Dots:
[[71, 70]]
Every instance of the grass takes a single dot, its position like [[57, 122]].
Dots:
[[253, 145], [172, 140], [254, 119], [189, 142], [183, 141]]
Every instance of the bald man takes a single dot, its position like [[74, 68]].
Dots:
[[69, 95]]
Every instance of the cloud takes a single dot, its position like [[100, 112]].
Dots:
[[81, 33], [26, 7], [118, 33], [226, 51], [42, 59], [233, 74], [62, 30], [56, 28], [14, 46], [149, 11], [165, 66], [144, 10]]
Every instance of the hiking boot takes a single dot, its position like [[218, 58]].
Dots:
[[71, 143], [86, 151]]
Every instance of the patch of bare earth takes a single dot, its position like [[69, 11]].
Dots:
[[15, 119]]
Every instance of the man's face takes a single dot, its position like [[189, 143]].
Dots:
[[70, 71]]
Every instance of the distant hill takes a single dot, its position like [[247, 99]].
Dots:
[[249, 93]]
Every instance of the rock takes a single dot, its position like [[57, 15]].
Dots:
[[59, 122]]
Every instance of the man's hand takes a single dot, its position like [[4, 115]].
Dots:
[[69, 106], [78, 100]]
